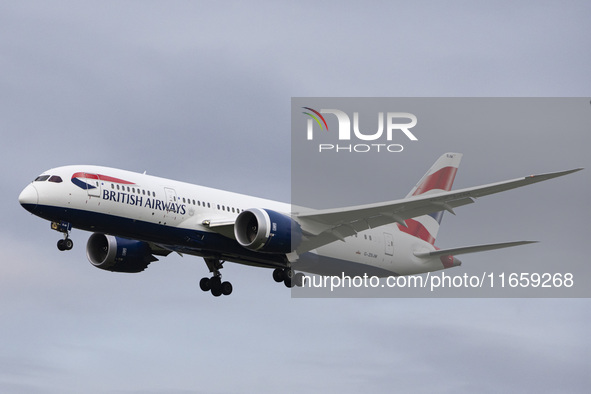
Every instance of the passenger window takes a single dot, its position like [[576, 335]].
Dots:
[[56, 179]]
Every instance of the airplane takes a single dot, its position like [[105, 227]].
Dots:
[[135, 217]]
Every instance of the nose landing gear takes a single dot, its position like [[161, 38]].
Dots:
[[63, 227], [65, 244]]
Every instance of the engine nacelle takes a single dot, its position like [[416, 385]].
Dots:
[[267, 231], [118, 254]]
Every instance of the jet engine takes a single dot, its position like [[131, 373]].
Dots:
[[267, 231], [118, 254]]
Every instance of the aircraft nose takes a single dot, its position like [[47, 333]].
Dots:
[[29, 198]]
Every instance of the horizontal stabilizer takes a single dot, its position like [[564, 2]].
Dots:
[[471, 249]]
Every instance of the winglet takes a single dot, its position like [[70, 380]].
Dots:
[[569, 171], [550, 175], [471, 249]]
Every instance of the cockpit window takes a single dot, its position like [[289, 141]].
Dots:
[[41, 178], [55, 178]]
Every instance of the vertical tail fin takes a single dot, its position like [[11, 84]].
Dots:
[[440, 177]]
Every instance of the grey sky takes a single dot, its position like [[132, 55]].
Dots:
[[200, 92]]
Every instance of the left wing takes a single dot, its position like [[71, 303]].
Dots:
[[322, 227]]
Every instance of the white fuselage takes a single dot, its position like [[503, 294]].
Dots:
[[174, 214]]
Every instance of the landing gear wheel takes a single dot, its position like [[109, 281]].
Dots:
[[288, 277], [278, 275], [65, 244], [288, 273], [298, 279], [216, 291], [215, 284], [226, 288], [204, 284]]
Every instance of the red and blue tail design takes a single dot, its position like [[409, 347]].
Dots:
[[440, 177]]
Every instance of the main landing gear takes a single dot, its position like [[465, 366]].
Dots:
[[215, 284], [63, 227], [288, 277]]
